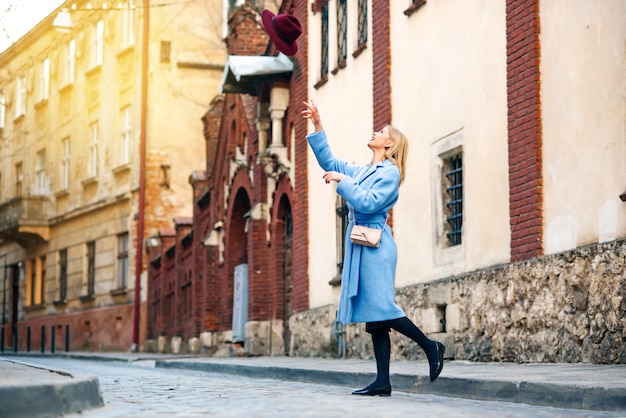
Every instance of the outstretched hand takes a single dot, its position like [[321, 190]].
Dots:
[[333, 176], [310, 112]]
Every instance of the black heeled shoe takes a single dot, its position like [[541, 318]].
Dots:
[[370, 391], [437, 366]]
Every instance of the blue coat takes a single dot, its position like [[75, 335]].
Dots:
[[367, 283]]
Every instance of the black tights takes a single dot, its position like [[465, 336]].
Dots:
[[382, 345]]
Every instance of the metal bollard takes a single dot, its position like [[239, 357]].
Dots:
[[52, 340], [15, 339], [67, 338], [43, 339], [28, 339], [2, 341]]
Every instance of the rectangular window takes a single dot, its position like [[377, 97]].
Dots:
[[36, 276], [70, 62], [19, 179], [3, 110], [44, 80], [122, 260], [166, 47], [92, 163], [453, 208], [40, 173], [342, 33], [97, 44], [63, 275], [91, 268], [362, 23], [128, 24], [324, 51], [126, 133], [20, 97], [65, 164]]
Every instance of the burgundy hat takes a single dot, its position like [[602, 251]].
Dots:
[[283, 30]]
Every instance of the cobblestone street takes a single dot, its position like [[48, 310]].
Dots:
[[139, 389]]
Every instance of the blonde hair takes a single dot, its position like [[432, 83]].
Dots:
[[397, 152]]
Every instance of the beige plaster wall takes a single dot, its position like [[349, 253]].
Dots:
[[449, 90], [187, 84], [583, 79]]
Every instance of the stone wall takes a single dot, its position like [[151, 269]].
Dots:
[[567, 307]]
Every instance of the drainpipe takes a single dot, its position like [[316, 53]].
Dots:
[[142, 169]]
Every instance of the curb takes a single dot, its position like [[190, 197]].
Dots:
[[54, 398], [531, 393]]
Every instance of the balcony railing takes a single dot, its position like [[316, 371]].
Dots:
[[24, 219]]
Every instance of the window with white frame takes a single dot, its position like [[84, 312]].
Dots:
[[44, 80], [92, 163], [70, 62], [128, 24], [20, 97], [126, 135], [3, 109], [65, 164], [40, 173], [96, 50]]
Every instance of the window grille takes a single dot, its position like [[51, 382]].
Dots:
[[362, 23], [454, 201], [324, 51], [63, 275], [342, 33]]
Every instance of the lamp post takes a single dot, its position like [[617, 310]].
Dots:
[[142, 177]]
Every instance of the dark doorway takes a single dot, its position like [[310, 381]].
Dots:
[[287, 275]]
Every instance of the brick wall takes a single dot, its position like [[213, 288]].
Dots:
[[299, 199], [524, 128], [381, 52]]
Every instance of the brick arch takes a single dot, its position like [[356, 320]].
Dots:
[[286, 286], [236, 242]]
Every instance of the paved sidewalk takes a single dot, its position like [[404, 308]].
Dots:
[[579, 386]]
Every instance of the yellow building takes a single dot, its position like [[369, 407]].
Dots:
[[100, 128]]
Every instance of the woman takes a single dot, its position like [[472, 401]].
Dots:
[[367, 286]]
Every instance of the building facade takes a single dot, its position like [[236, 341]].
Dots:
[[510, 225], [92, 161]]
